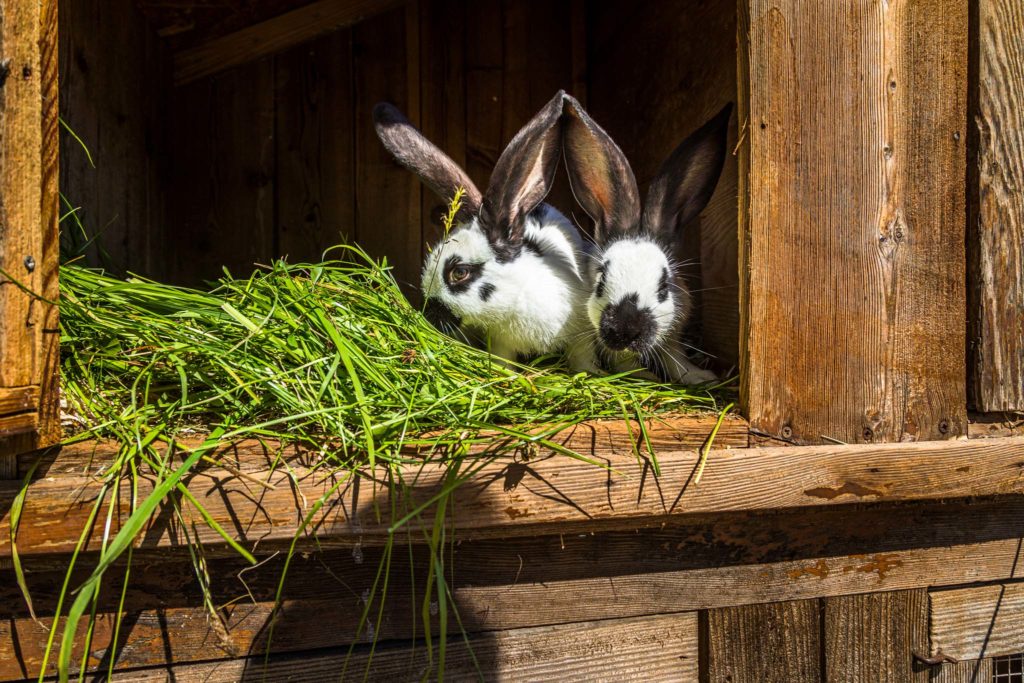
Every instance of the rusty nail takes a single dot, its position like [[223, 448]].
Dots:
[[939, 658], [943, 426], [787, 432], [30, 263], [868, 434]]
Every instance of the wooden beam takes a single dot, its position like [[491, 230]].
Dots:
[[996, 234], [973, 623], [18, 423], [18, 399], [852, 293], [517, 583], [662, 648], [507, 498], [272, 36]]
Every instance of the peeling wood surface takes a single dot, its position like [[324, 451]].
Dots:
[[507, 497], [775, 643], [996, 235], [853, 294], [273, 35], [973, 623], [872, 638], [517, 583], [660, 648]]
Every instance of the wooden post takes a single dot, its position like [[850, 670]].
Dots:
[[996, 234], [28, 228], [853, 219]]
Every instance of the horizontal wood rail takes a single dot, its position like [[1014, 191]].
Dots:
[[260, 504], [273, 35]]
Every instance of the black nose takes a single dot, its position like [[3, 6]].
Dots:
[[440, 316], [625, 325]]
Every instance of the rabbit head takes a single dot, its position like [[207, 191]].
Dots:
[[638, 301], [510, 271]]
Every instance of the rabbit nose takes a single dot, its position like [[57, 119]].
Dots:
[[440, 316], [626, 325]]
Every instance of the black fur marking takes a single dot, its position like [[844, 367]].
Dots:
[[506, 253], [486, 290], [440, 316], [600, 281], [624, 325], [452, 262], [532, 246], [663, 286]]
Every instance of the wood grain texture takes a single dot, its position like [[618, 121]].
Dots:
[[854, 273], [18, 399], [505, 498], [871, 638], [315, 149], [996, 234], [484, 72], [988, 425], [273, 35], [969, 671], [387, 197], [221, 196], [774, 643], [516, 583], [660, 648], [974, 623], [656, 76]]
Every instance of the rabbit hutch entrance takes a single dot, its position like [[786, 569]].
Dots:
[[858, 519]]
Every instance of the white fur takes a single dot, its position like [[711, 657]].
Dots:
[[634, 266], [538, 302]]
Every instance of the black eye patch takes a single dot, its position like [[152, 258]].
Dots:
[[468, 272], [663, 286]]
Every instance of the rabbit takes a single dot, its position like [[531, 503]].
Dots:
[[512, 270], [639, 304]]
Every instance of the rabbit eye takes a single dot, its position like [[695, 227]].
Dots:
[[458, 274]]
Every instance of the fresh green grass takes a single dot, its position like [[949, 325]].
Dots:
[[330, 356]]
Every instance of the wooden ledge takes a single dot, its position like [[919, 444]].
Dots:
[[509, 498]]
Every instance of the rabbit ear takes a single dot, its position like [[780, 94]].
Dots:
[[522, 178], [418, 154], [600, 176], [687, 179]]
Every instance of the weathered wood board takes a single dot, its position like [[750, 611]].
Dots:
[[974, 623], [774, 643], [872, 638], [853, 291], [996, 233]]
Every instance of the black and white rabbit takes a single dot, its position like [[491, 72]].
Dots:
[[638, 303], [512, 271]]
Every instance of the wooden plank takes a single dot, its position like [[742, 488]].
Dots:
[[970, 671], [543, 495], [484, 74], [272, 36], [632, 58], [974, 623], [517, 583], [856, 221], [774, 643], [18, 399], [988, 425], [222, 208], [660, 648], [442, 97], [872, 638], [18, 423], [996, 233], [387, 195], [314, 181]]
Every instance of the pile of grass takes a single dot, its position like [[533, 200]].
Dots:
[[330, 356]]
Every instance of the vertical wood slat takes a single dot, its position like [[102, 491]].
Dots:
[[853, 292], [314, 176], [222, 147], [777, 642], [996, 233], [484, 75], [871, 638], [383, 189]]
